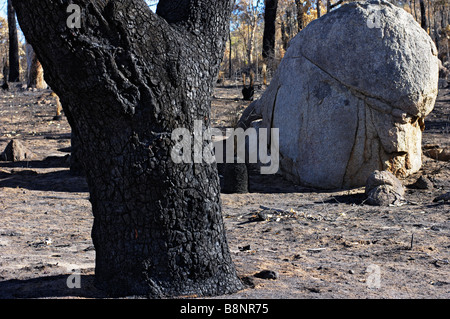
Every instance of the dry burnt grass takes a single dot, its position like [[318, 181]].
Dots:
[[320, 244]]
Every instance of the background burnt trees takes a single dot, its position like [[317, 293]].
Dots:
[[14, 66], [249, 12], [127, 78]]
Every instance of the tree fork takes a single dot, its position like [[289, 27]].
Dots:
[[126, 79]]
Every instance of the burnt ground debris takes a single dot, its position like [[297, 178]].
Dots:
[[322, 246]]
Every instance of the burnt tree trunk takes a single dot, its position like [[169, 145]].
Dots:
[[300, 18], [268, 50], [35, 72], [127, 78], [318, 8], [14, 66], [270, 16], [423, 16]]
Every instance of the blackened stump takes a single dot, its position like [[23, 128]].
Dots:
[[127, 78], [235, 178], [248, 91]]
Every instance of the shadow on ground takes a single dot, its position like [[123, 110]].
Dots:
[[49, 287], [29, 175], [58, 181]]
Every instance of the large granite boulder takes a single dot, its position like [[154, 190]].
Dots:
[[350, 96]]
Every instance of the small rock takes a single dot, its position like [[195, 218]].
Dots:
[[11, 234], [263, 215], [422, 182], [267, 274], [351, 271], [314, 289], [444, 197], [435, 228], [440, 154], [383, 189], [244, 248], [378, 178], [382, 195], [16, 152]]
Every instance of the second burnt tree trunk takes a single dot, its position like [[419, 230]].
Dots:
[[14, 66]]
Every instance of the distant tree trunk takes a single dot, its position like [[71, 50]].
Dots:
[[423, 16], [35, 72], [415, 11], [230, 62], [300, 19], [251, 41], [443, 17], [14, 67], [284, 36], [270, 16], [318, 8], [59, 109], [5, 71], [268, 52], [436, 32], [127, 79]]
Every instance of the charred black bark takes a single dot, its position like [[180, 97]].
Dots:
[[126, 79], [76, 155]]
